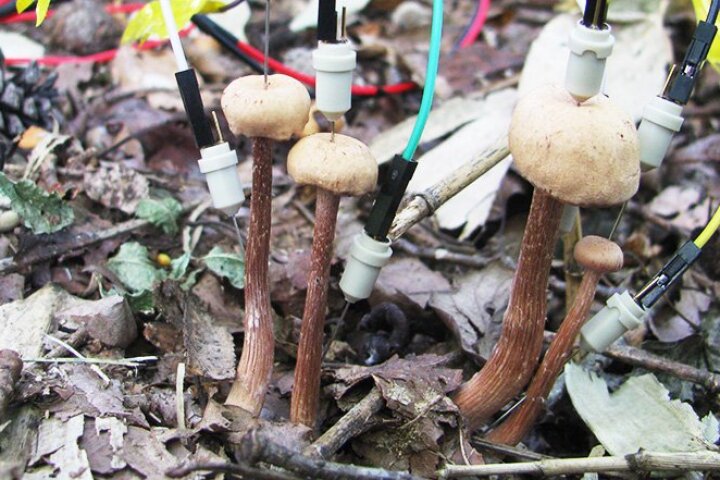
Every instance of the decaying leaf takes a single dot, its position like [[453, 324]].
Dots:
[[134, 268], [116, 186], [41, 212], [683, 319], [109, 320], [24, 323], [227, 265], [408, 282], [639, 415], [58, 447], [473, 310], [162, 213]]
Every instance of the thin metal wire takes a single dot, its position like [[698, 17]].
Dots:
[[217, 127], [267, 41], [241, 244], [617, 220]]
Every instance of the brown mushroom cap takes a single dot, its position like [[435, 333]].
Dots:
[[344, 166], [584, 154], [275, 112], [598, 254]]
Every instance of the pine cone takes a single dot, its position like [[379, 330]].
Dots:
[[26, 98]]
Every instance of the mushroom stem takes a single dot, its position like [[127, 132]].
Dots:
[[514, 429], [516, 354], [255, 366], [306, 386]]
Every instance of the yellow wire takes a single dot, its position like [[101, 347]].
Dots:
[[711, 228]]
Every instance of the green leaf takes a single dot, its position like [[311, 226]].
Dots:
[[179, 265], [161, 213], [23, 5], [42, 212], [133, 267], [701, 10], [41, 11], [149, 20], [227, 265]]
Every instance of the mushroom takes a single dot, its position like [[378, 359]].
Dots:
[[264, 111], [597, 255], [337, 165], [585, 155]]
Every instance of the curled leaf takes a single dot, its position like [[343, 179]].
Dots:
[[149, 20]]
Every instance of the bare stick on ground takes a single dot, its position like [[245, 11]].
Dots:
[[638, 462]]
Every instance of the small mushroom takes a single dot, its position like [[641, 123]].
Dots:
[[265, 112], [597, 255], [585, 155], [337, 165]]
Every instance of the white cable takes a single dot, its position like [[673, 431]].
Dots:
[[172, 31]]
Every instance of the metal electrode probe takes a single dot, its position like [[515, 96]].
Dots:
[[217, 160], [661, 119], [371, 250], [334, 61]]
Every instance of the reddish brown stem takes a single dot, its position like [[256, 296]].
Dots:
[[516, 354], [514, 429], [306, 386], [256, 362]]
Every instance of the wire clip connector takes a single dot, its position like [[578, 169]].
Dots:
[[334, 64], [589, 50], [388, 199], [682, 85], [366, 259], [218, 164], [621, 313], [668, 275], [660, 121]]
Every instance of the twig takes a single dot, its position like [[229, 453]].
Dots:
[[424, 203], [77, 242], [505, 450], [258, 448], [638, 462], [179, 397], [132, 362], [75, 340], [641, 358], [357, 420], [232, 468], [69, 348], [442, 254]]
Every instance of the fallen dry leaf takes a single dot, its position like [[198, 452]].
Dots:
[[116, 186]]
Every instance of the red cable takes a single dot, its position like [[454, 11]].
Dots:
[[477, 24], [108, 55], [358, 90]]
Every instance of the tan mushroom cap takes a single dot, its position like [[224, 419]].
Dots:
[[344, 166], [586, 154], [277, 112], [598, 254]]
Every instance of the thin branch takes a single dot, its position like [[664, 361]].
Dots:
[[638, 462], [359, 419], [423, 204]]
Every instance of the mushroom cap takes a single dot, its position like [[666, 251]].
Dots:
[[583, 154], [275, 112], [598, 254], [344, 166]]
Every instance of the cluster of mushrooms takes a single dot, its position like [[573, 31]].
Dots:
[[270, 109], [582, 153]]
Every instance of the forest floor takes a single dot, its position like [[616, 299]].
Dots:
[[121, 287]]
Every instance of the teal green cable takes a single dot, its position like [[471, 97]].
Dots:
[[430, 77]]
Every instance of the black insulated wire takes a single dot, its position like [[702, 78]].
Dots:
[[682, 79], [595, 14], [327, 21], [713, 12], [190, 93], [226, 39]]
